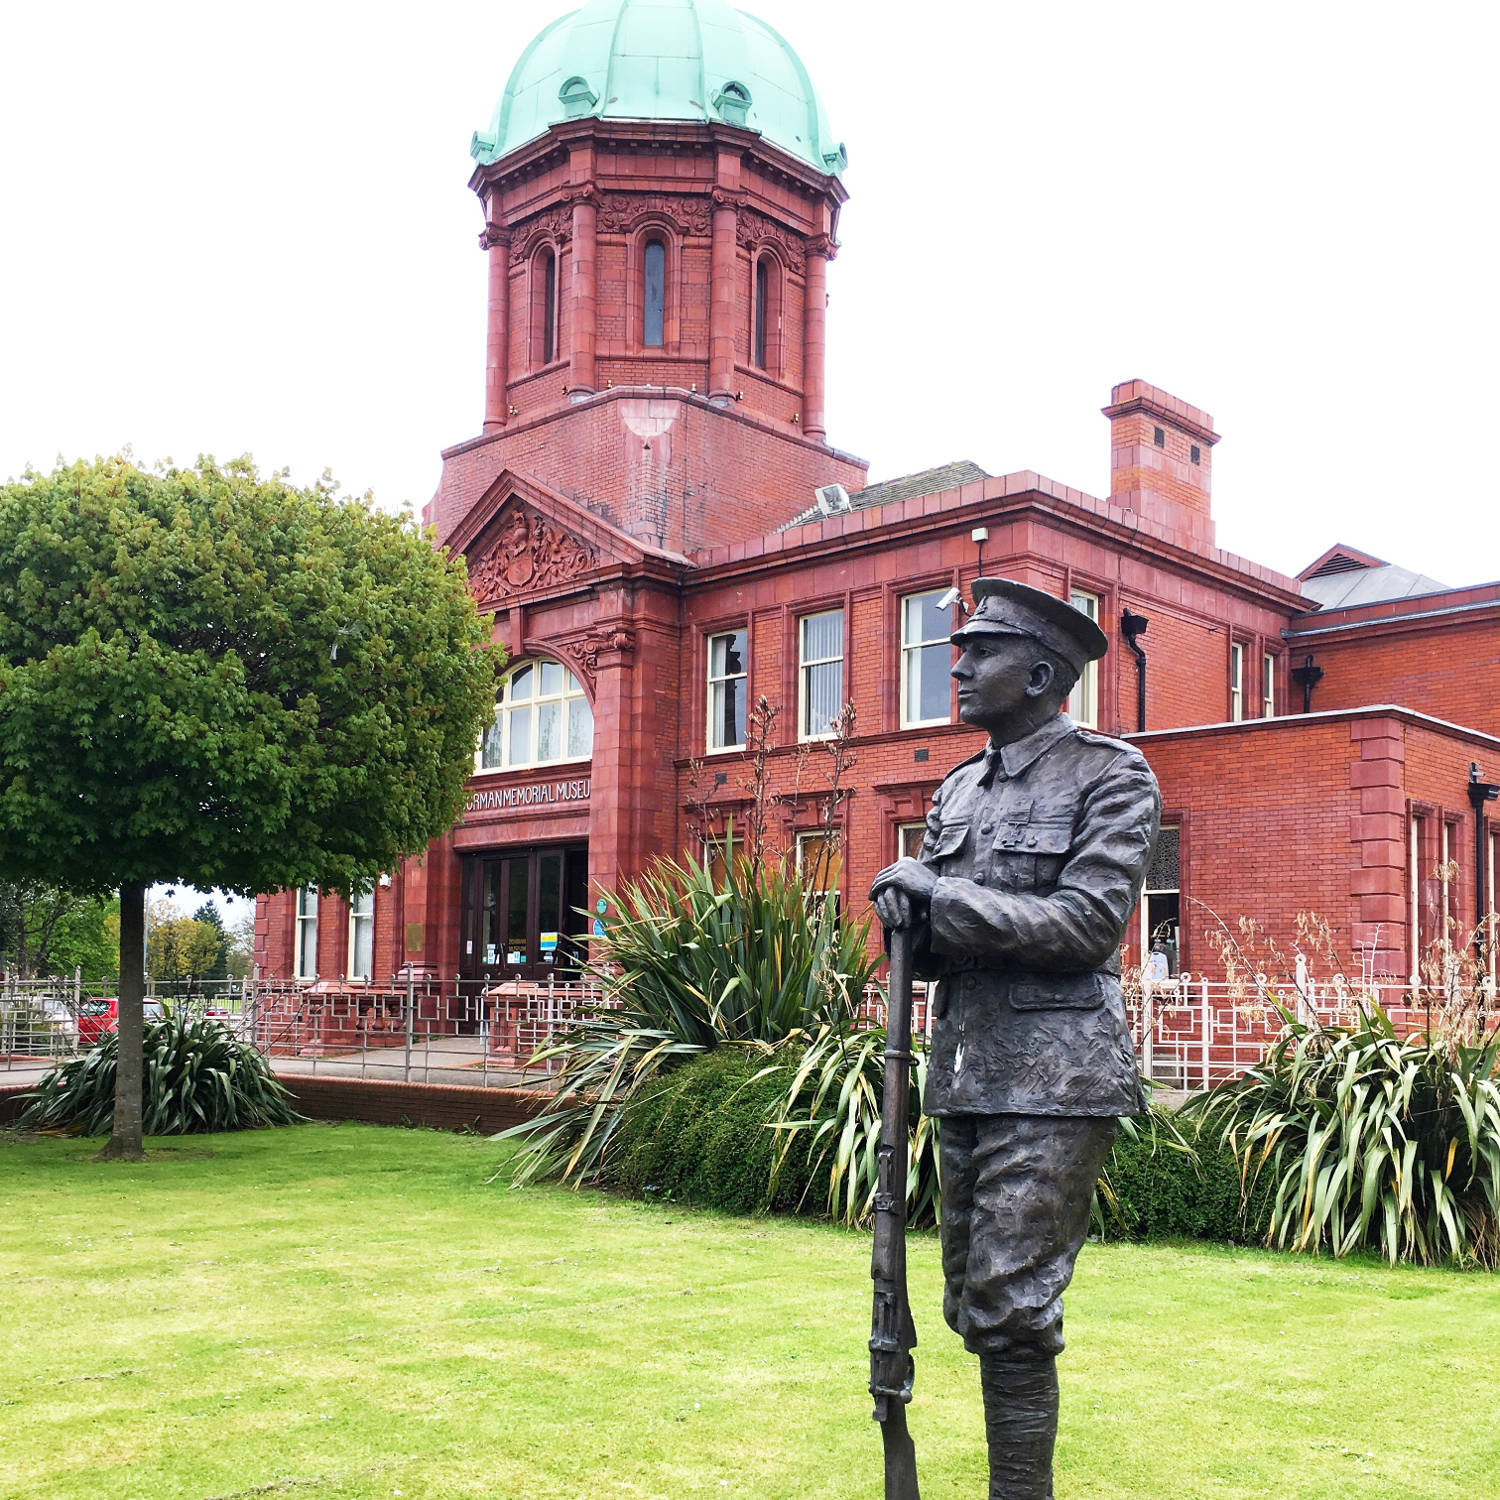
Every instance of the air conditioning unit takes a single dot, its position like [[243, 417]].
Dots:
[[832, 498]]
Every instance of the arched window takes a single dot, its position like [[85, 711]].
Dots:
[[544, 306], [762, 296], [654, 294], [765, 315], [541, 717]]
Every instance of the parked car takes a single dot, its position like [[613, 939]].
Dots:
[[96, 1018]]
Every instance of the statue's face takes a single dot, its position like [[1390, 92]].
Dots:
[[1000, 679]]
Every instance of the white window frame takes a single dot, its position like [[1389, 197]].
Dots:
[[1083, 701], [1445, 871], [902, 829], [1268, 686], [719, 846], [361, 917], [807, 665], [821, 834], [1492, 936], [305, 934], [911, 651], [1236, 682], [718, 685], [497, 738]]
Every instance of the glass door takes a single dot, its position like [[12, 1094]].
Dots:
[[522, 918]]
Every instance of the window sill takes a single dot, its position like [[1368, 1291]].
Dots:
[[541, 765]]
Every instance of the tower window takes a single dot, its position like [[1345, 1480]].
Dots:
[[654, 294], [1196, 454], [765, 315], [1158, 437], [762, 296], [547, 269]]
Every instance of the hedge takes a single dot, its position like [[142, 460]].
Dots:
[[1161, 1192], [701, 1138]]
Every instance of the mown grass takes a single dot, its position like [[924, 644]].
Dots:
[[351, 1312]]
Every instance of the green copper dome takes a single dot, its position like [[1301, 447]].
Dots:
[[662, 60]]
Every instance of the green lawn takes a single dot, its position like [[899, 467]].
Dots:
[[350, 1311]]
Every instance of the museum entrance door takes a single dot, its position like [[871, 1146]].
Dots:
[[521, 913]]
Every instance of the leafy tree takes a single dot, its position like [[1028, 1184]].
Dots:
[[208, 914], [215, 679], [239, 946], [183, 948], [44, 930]]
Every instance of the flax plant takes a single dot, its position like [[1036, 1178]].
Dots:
[[835, 1094], [695, 958], [1372, 1141], [197, 1078]]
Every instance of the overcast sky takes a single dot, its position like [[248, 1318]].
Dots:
[[232, 228]]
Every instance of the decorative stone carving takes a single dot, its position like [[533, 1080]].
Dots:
[[493, 235], [619, 213], [555, 223], [756, 231], [587, 648], [530, 553]]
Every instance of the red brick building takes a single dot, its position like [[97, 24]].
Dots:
[[654, 513]]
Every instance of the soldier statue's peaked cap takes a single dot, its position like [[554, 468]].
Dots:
[[1003, 607]]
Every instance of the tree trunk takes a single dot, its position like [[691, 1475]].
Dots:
[[125, 1139]]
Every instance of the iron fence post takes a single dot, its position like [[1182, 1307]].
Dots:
[[410, 1001]]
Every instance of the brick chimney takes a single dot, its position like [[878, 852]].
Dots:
[[1160, 463]]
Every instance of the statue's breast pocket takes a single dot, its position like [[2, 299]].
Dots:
[[950, 842], [1029, 855]]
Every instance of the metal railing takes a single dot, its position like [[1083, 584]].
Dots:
[[418, 1028], [1189, 1032], [45, 1021]]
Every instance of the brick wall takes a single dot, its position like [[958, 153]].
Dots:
[[676, 471], [1448, 667], [437, 1106]]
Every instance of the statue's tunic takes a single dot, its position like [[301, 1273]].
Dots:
[[1040, 851]]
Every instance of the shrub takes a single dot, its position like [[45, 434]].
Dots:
[[704, 1136], [1363, 1140], [694, 959], [1159, 1184], [197, 1077]]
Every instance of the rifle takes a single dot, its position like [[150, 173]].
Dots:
[[892, 1333]]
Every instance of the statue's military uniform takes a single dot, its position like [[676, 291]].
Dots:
[[1036, 850], [1040, 850]]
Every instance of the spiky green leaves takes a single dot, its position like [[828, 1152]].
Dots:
[[196, 1077]]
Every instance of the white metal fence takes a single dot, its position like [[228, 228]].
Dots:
[[43, 1021], [1189, 1032]]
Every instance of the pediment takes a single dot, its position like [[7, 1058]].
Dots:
[[522, 538], [524, 552]]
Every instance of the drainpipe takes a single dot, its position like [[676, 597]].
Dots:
[[1307, 677], [1133, 627], [1480, 792]]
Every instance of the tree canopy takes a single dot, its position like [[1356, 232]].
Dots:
[[215, 679], [219, 679]]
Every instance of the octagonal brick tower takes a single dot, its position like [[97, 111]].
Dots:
[[661, 195]]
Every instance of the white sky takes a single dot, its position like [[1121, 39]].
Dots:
[[247, 228]]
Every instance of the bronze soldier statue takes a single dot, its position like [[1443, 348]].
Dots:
[[1033, 860]]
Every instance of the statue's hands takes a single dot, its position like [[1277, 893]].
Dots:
[[901, 892]]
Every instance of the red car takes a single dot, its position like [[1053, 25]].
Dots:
[[97, 1018]]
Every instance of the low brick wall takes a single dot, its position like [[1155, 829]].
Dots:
[[437, 1105], [377, 1102]]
